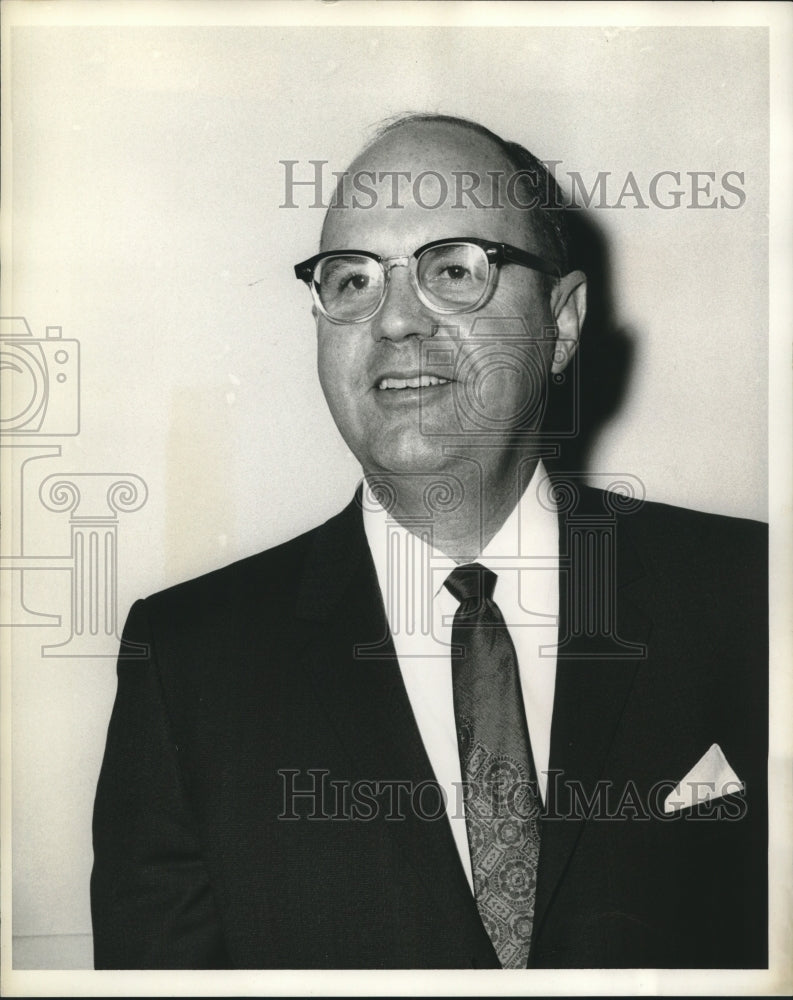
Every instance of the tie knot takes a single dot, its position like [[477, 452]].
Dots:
[[472, 582]]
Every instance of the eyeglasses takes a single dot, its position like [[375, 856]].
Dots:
[[449, 276]]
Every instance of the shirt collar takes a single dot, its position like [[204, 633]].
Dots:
[[531, 529]]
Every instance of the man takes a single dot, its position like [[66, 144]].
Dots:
[[481, 718]]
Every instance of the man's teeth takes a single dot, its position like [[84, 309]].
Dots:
[[419, 382]]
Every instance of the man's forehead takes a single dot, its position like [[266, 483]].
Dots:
[[432, 178], [428, 145]]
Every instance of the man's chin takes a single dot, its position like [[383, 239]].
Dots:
[[413, 455]]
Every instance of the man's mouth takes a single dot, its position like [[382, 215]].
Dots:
[[414, 382]]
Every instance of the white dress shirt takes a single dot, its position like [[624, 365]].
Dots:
[[524, 554]]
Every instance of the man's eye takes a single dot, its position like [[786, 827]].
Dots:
[[456, 272], [351, 283], [449, 274], [341, 280], [356, 281]]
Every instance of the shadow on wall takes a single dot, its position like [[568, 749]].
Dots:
[[605, 356]]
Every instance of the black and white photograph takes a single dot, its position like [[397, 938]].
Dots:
[[396, 491]]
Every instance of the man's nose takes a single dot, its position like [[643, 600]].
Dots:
[[402, 313]]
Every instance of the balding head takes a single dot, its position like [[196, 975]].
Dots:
[[450, 165]]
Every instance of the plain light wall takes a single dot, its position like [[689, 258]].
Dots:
[[146, 223]]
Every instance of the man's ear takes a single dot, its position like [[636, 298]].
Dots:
[[568, 305]]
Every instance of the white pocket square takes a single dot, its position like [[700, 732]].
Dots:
[[710, 778]]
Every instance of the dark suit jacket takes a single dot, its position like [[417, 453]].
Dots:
[[253, 670]]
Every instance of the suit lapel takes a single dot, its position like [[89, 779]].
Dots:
[[599, 652], [367, 707], [352, 668]]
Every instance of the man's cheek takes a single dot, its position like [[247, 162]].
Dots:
[[334, 366], [501, 386]]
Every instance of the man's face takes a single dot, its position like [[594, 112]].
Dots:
[[494, 361]]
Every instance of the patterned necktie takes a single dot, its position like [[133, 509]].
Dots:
[[501, 802]]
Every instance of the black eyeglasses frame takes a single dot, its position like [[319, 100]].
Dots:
[[497, 254]]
